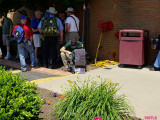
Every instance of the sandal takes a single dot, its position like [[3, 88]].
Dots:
[[64, 69]]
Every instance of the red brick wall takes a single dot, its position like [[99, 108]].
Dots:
[[125, 14]]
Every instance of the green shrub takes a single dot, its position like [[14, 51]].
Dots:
[[89, 99], [18, 99]]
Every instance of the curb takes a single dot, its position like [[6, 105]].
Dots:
[[38, 70]]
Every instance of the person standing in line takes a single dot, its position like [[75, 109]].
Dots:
[[50, 27], [34, 25], [24, 12], [26, 44], [62, 17], [72, 25], [7, 27]]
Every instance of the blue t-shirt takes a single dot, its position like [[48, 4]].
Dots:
[[34, 24]]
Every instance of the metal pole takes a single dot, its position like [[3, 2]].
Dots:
[[83, 24]]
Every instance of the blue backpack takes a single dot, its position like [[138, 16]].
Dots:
[[19, 34]]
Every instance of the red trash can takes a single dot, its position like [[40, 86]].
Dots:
[[131, 49]]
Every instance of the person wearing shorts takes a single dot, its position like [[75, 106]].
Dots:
[[34, 25], [72, 25], [7, 26]]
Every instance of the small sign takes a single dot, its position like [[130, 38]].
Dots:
[[150, 117]]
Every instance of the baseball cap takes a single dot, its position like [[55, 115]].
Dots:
[[23, 17], [73, 43]]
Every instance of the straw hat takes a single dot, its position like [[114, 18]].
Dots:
[[70, 9], [52, 10]]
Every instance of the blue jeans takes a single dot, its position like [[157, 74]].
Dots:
[[27, 45], [157, 61]]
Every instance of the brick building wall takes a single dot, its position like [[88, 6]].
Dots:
[[144, 14], [125, 14], [15, 16]]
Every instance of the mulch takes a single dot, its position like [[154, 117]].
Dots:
[[47, 96]]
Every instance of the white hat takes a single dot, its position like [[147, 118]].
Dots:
[[52, 10], [38, 12], [70, 9]]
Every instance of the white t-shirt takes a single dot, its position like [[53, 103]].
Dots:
[[72, 23]]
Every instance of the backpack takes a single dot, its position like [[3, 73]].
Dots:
[[19, 34], [49, 27], [79, 57], [78, 61]]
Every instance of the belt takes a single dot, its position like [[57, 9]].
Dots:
[[73, 32]]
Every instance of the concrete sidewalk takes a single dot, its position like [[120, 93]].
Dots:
[[142, 87]]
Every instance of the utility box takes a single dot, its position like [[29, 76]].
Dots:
[[131, 49]]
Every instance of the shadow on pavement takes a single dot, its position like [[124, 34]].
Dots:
[[8, 68]]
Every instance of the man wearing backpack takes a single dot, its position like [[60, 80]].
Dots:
[[24, 36], [50, 27], [72, 25]]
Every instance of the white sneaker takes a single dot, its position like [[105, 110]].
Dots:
[[7, 57]]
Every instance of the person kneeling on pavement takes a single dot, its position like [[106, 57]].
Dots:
[[25, 43], [66, 53]]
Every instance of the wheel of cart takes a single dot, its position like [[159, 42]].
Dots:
[[121, 65], [139, 66]]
